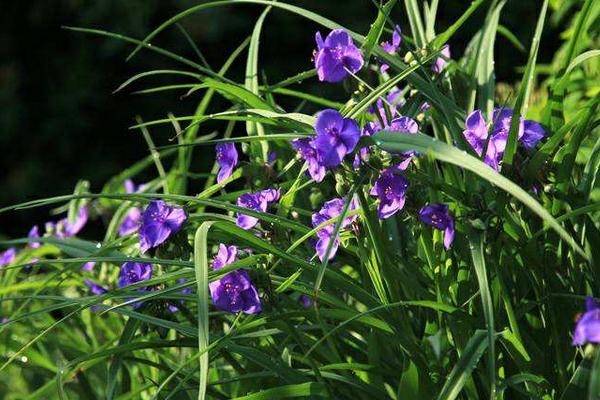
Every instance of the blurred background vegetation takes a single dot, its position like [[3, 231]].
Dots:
[[60, 121]]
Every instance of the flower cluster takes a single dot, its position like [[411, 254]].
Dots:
[[478, 134], [233, 292], [256, 202], [330, 210]]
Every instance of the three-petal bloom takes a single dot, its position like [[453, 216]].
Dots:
[[233, 292], [331, 209], [159, 221], [65, 228], [438, 216], [390, 188], [588, 325], [227, 158], [476, 133], [134, 272], [259, 202], [336, 55], [336, 137]]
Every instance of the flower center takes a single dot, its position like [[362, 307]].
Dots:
[[232, 291]]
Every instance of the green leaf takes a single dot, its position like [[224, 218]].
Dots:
[[462, 370]]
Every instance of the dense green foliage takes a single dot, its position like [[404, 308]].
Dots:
[[394, 314]]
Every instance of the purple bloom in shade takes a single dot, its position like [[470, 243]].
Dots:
[[476, 133], [305, 300], [336, 55], [94, 287], [233, 292], [533, 132], [309, 154], [133, 272], [331, 209], [159, 221], [8, 256], [424, 107], [188, 290], [336, 137], [438, 216], [131, 222], [441, 62], [88, 266], [259, 202], [227, 158], [391, 48], [588, 325], [390, 189], [34, 233]]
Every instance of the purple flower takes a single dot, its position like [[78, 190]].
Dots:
[[259, 202], [309, 154], [159, 221], [233, 292], [131, 187], [8, 256], [94, 287], [133, 272], [227, 157], [188, 290], [476, 132], [588, 325], [88, 266], [64, 228], [336, 55], [533, 132], [390, 189], [131, 222], [34, 233], [305, 300], [331, 209], [391, 48], [441, 62], [336, 137], [438, 216]]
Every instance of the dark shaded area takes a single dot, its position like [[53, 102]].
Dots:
[[59, 121]]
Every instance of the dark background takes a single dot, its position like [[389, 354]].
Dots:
[[60, 122]]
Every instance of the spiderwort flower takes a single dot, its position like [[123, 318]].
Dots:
[[438, 216], [391, 48], [441, 62], [476, 133], [309, 154], [131, 222], [331, 209], [259, 202], [234, 292], [159, 221], [8, 256], [65, 228], [336, 137], [134, 272], [305, 300], [588, 325], [336, 55], [88, 266], [227, 158], [131, 187], [34, 233], [390, 188]]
